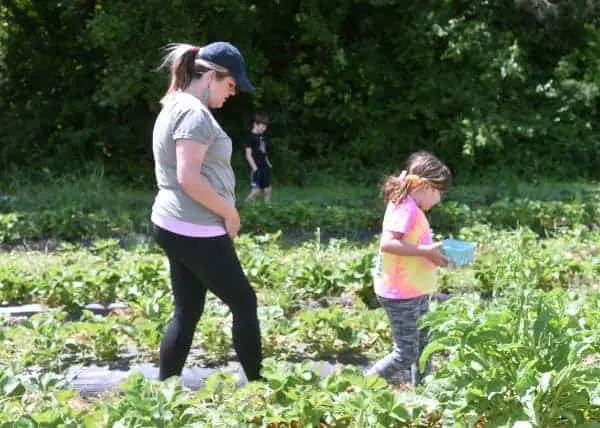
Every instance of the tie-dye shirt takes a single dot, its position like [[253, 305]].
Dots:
[[405, 277]]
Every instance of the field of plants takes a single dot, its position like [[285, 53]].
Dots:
[[515, 340]]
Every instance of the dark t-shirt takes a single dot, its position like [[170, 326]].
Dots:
[[258, 144]]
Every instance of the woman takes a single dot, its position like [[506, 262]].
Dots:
[[194, 216]]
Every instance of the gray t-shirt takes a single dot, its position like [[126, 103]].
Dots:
[[183, 116]]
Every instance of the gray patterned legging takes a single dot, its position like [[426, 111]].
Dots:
[[401, 365]]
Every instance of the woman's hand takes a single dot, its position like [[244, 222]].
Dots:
[[232, 223], [434, 253]]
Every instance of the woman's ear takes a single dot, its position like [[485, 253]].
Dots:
[[210, 75]]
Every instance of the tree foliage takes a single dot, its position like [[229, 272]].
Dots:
[[351, 85]]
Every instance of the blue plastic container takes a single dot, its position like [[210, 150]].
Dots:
[[460, 252]]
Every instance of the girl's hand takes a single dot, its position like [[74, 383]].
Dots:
[[434, 253], [232, 223]]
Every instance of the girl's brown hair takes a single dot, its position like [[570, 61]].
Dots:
[[185, 64], [422, 166]]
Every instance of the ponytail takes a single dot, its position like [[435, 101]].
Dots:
[[395, 188], [181, 59], [185, 64]]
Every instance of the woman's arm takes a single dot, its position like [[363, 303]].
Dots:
[[190, 157]]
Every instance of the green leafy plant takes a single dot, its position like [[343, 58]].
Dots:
[[532, 368]]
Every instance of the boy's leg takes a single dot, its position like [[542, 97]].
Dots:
[[252, 194], [254, 185], [405, 333], [266, 184], [268, 192]]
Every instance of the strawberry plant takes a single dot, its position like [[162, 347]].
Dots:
[[526, 354], [531, 368]]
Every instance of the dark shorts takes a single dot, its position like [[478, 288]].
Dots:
[[261, 178]]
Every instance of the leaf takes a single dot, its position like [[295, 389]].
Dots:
[[477, 366], [94, 419], [170, 389], [429, 350], [49, 417], [25, 422], [494, 387], [522, 424], [400, 413], [64, 395], [545, 381], [12, 387]]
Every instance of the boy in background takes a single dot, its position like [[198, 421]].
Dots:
[[257, 155]]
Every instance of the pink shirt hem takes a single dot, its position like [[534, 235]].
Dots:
[[185, 228]]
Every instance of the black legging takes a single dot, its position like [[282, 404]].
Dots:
[[196, 266]]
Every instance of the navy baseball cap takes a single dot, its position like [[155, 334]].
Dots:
[[226, 55]]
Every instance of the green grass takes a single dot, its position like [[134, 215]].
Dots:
[[89, 192], [93, 191]]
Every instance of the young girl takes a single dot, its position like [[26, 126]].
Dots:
[[407, 260]]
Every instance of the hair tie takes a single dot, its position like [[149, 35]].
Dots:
[[414, 180], [196, 50]]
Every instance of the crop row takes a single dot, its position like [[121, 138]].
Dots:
[[76, 224]]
